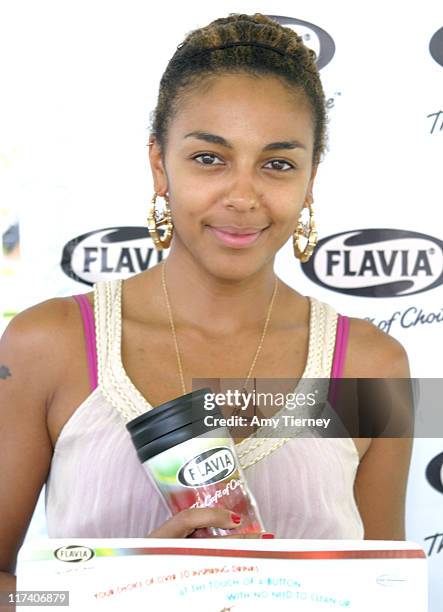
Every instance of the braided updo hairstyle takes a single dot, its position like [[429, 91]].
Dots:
[[288, 59]]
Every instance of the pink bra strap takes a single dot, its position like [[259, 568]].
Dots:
[[89, 327], [338, 362]]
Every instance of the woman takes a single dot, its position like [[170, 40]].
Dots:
[[237, 138]]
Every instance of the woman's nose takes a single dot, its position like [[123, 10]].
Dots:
[[242, 195], [245, 204]]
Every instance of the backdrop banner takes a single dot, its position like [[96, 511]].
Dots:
[[78, 91]]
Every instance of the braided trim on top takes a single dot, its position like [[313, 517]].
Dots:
[[114, 384], [139, 403], [100, 341], [331, 318]]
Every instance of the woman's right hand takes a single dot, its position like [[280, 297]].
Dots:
[[184, 523]]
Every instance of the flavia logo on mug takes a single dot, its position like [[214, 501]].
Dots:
[[74, 554], [206, 468]]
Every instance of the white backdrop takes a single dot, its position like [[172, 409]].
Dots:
[[79, 84]]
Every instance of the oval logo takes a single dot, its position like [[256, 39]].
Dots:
[[391, 580], [434, 473], [112, 252], [74, 554], [313, 36], [436, 46], [206, 468], [377, 263]]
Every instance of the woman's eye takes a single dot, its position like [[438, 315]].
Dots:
[[207, 159], [278, 163]]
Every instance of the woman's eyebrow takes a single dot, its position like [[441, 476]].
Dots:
[[285, 144]]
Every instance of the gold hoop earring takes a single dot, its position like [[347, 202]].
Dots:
[[307, 232], [156, 219]]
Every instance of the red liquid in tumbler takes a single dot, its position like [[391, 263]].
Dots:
[[204, 473]]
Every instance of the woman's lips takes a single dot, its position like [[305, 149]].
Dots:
[[233, 239]]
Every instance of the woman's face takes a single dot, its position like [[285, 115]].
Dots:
[[238, 170]]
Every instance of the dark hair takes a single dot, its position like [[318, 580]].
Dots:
[[274, 50]]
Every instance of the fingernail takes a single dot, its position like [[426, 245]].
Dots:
[[236, 518], [267, 536]]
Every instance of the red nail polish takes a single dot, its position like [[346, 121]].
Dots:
[[267, 536], [236, 518]]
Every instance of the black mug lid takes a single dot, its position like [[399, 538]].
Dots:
[[178, 436], [183, 411]]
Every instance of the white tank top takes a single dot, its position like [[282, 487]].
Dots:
[[97, 488]]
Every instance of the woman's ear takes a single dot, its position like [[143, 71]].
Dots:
[[158, 170], [311, 181]]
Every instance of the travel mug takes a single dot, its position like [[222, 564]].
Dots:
[[193, 464]]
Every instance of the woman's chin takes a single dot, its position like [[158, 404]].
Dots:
[[230, 265], [232, 270]]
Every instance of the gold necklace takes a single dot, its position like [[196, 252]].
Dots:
[[174, 335]]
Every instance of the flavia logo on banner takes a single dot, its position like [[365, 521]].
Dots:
[[313, 36], [112, 252], [436, 46], [377, 263], [434, 473]]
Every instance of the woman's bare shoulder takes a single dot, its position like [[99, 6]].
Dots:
[[373, 353], [43, 336], [54, 316]]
